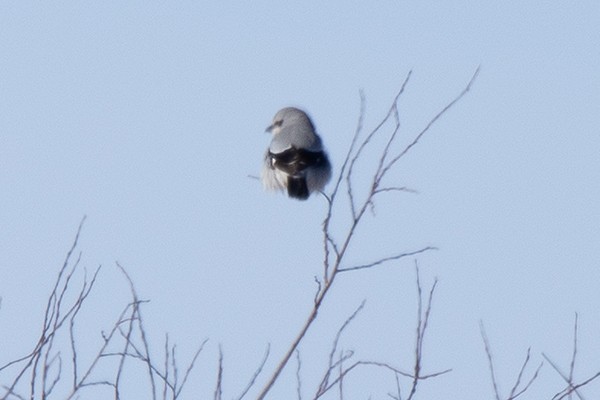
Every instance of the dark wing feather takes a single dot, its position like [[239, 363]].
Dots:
[[293, 161]]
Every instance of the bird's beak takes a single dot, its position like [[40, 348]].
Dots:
[[269, 128]]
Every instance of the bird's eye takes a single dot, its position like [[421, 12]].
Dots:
[[278, 123]]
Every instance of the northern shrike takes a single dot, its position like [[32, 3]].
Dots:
[[295, 160]]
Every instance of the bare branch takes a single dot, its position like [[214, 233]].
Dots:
[[256, 373], [39, 372], [342, 329], [327, 239], [386, 259], [394, 189], [398, 390], [379, 365], [488, 352], [341, 381], [569, 379], [191, 366], [531, 380], [57, 377], [422, 323], [53, 320], [515, 391], [127, 344], [574, 357], [367, 140], [140, 327], [331, 365], [123, 318], [431, 123], [319, 286], [571, 388], [298, 379], [11, 393], [219, 389], [166, 366], [357, 210], [44, 364]]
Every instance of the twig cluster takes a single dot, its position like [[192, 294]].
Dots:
[[49, 365], [335, 248], [572, 388], [520, 387], [54, 370]]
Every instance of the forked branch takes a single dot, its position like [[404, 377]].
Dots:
[[348, 172]]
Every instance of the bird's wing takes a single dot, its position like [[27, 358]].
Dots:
[[293, 161]]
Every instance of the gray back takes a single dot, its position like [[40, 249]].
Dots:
[[296, 130]]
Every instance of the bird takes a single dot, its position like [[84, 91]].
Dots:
[[295, 161]]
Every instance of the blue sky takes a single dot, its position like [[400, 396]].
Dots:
[[148, 118]]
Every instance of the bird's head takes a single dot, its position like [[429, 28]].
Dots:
[[288, 116]]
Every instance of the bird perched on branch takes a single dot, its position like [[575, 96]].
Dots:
[[295, 160]]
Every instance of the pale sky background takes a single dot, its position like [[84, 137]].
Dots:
[[148, 118]]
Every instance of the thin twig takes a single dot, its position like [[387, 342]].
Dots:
[[422, 323], [515, 391], [166, 366], [141, 328], [340, 371], [529, 383], [52, 322], [488, 352], [327, 239], [380, 365], [331, 365], [189, 368], [298, 379], [574, 357], [386, 259], [219, 388], [571, 388], [256, 373], [432, 122]]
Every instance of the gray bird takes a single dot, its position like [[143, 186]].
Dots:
[[295, 160]]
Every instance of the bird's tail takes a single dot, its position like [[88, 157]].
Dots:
[[297, 187]]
